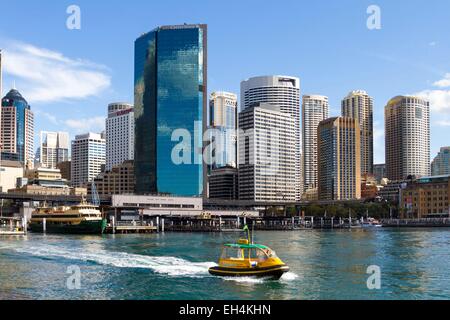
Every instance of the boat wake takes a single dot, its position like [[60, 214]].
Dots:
[[287, 277], [163, 265]]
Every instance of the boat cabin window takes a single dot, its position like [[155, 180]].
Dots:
[[232, 253]]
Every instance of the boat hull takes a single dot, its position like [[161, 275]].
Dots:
[[273, 272], [84, 227]]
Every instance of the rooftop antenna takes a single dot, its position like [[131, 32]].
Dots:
[[14, 85]]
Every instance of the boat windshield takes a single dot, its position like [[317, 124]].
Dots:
[[235, 253]]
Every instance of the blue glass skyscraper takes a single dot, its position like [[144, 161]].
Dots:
[[170, 94], [17, 128]]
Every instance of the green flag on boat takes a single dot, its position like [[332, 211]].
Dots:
[[246, 228]]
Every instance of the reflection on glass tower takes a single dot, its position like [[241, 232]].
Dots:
[[170, 94]]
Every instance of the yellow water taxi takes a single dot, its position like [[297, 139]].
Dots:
[[245, 259]]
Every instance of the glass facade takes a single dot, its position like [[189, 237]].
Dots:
[[15, 99], [170, 94]]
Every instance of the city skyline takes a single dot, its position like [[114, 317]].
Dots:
[[110, 73]]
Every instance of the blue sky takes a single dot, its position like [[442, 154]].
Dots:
[[70, 76]]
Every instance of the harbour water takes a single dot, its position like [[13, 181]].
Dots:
[[414, 264]]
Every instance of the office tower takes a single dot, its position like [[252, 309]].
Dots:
[[171, 102], [224, 183], [54, 148], [119, 134], [339, 159], [379, 171], [284, 92], [314, 110], [407, 123], [17, 128], [266, 154], [223, 118], [359, 105], [88, 157], [119, 180], [441, 164]]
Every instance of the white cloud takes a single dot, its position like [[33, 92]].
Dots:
[[439, 99], [49, 76], [443, 123], [96, 124], [444, 83]]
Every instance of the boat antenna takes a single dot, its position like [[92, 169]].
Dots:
[[253, 233]]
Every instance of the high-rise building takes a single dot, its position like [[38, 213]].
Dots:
[[441, 164], [224, 183], [359, 105], [88, 157], [315, 109], [119, 134], [282, 91], [54, 148], [171, 104], [339, 159], [223, 119], [407, 123], [379, 171], [17, 128], [266, 154]]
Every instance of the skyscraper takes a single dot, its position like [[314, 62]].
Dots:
[[339, 159], [223, 118], [441, 164], [314, 110], [266, 154], [17, 128], [359, 105], [119, 134], [54, 148], [171, 102], [284, 92], [88, 157], [407, 122]]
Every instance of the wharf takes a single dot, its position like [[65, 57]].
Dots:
[[417, 223]]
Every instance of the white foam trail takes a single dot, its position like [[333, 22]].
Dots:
[[164, 265], [289, 276]]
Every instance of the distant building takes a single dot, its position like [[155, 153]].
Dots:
[[65, 168], [224, 184], [441, 164], [223, 118], [359, 105], [426, 197], [369, 187], [391, 191], [315, 109], [266, 154], [407, 137], [45, 181], [170, 93], [339, 168], [119, 134], [379, 171], [10, 171], [17, 128], [88, 156], [283, 92], [119, 180], [54, 148]]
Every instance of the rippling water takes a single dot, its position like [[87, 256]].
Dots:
[[324, 265]]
